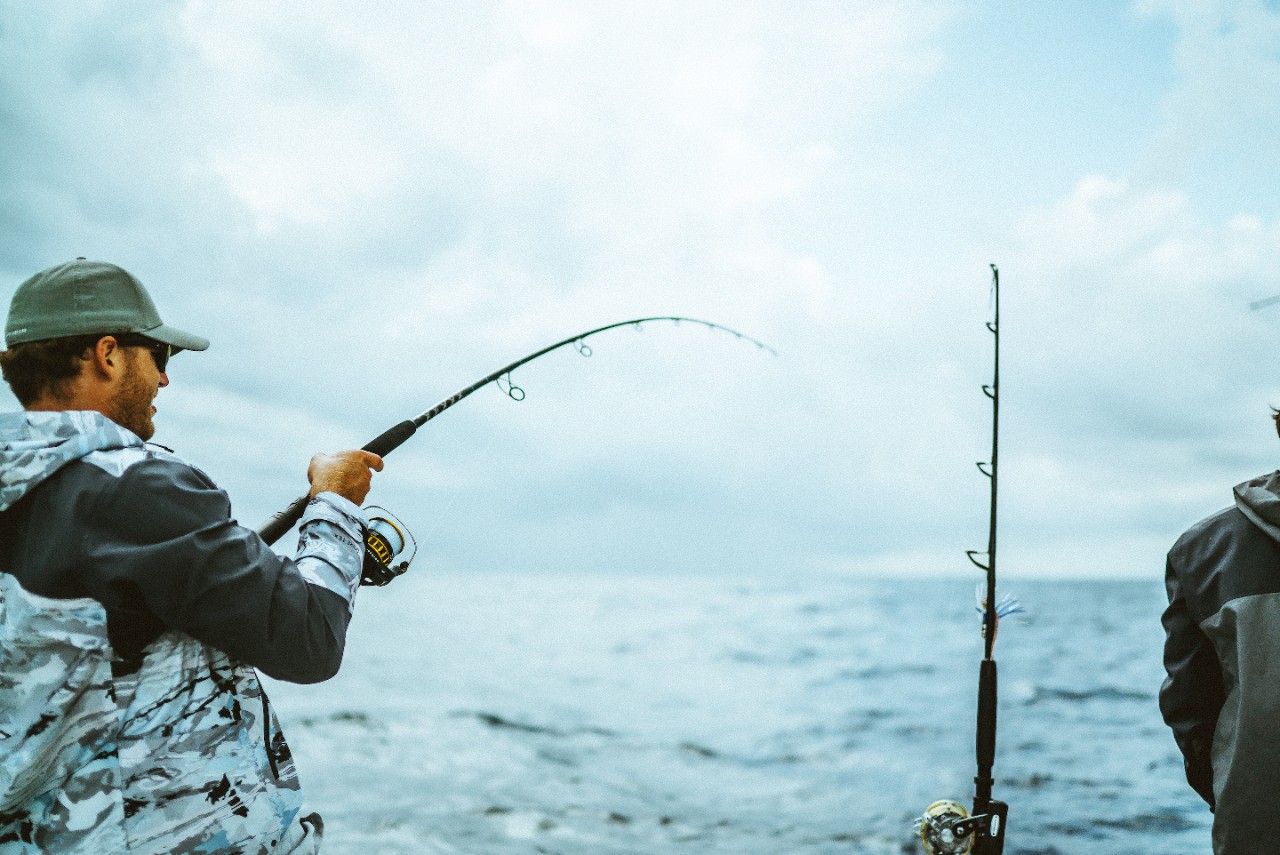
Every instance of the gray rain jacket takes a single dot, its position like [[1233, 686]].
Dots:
[[1222, 656], [133, 611]]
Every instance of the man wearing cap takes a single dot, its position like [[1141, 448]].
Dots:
[[133, 608]]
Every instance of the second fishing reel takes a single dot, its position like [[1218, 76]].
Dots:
[[947, 828], [385, 540], [944, 829]]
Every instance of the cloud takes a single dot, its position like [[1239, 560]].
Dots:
[[1102, 220], [1145, 394], [367, 206], [1219, 117]]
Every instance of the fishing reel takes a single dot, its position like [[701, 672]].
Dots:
[[385, 540], [946, 828]]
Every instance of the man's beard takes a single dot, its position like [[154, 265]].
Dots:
[[132, 404]]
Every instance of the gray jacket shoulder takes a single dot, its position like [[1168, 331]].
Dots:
[[1224, 557]]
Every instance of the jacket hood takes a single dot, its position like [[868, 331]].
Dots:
[[34, 445], [1259, 500]]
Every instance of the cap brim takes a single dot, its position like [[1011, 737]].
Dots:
[[176, 337]]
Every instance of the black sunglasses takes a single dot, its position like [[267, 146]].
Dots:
[[160, 351]]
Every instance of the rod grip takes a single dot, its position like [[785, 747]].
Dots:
[[280, 523], [986, 741], [391, 438]]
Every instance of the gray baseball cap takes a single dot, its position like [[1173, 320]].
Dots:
[[85, 297]]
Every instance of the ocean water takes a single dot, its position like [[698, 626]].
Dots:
[[588, 714]]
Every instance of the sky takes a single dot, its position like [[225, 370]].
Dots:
[[368, 206]]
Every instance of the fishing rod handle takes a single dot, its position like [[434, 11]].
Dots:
[[280, 523], [986, 732], [391, 438]]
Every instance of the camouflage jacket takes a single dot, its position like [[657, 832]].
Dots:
[[133, 611]]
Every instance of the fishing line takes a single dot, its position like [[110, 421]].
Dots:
[[438, 519], [506, 462]]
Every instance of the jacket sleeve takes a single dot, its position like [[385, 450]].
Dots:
[[1192, 695], [163, 535]]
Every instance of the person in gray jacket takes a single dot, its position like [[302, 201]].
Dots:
[[1221, 695], [134, 610]]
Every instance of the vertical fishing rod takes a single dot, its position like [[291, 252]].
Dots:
[[946, 827], [989, 838]]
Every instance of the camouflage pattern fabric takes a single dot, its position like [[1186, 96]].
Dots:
[[176, 757], [60, 781], [35, 445], [184, 754], [202, 770]]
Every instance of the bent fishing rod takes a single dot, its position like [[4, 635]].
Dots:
[[947, 828], [389, 531]]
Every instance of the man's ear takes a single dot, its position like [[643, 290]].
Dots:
[[107, 358]]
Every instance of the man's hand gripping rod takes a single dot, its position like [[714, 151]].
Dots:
[[394, 437]]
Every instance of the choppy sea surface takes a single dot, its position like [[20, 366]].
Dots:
[[789, 716]]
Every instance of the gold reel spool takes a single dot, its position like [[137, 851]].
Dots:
[[386, 538]]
